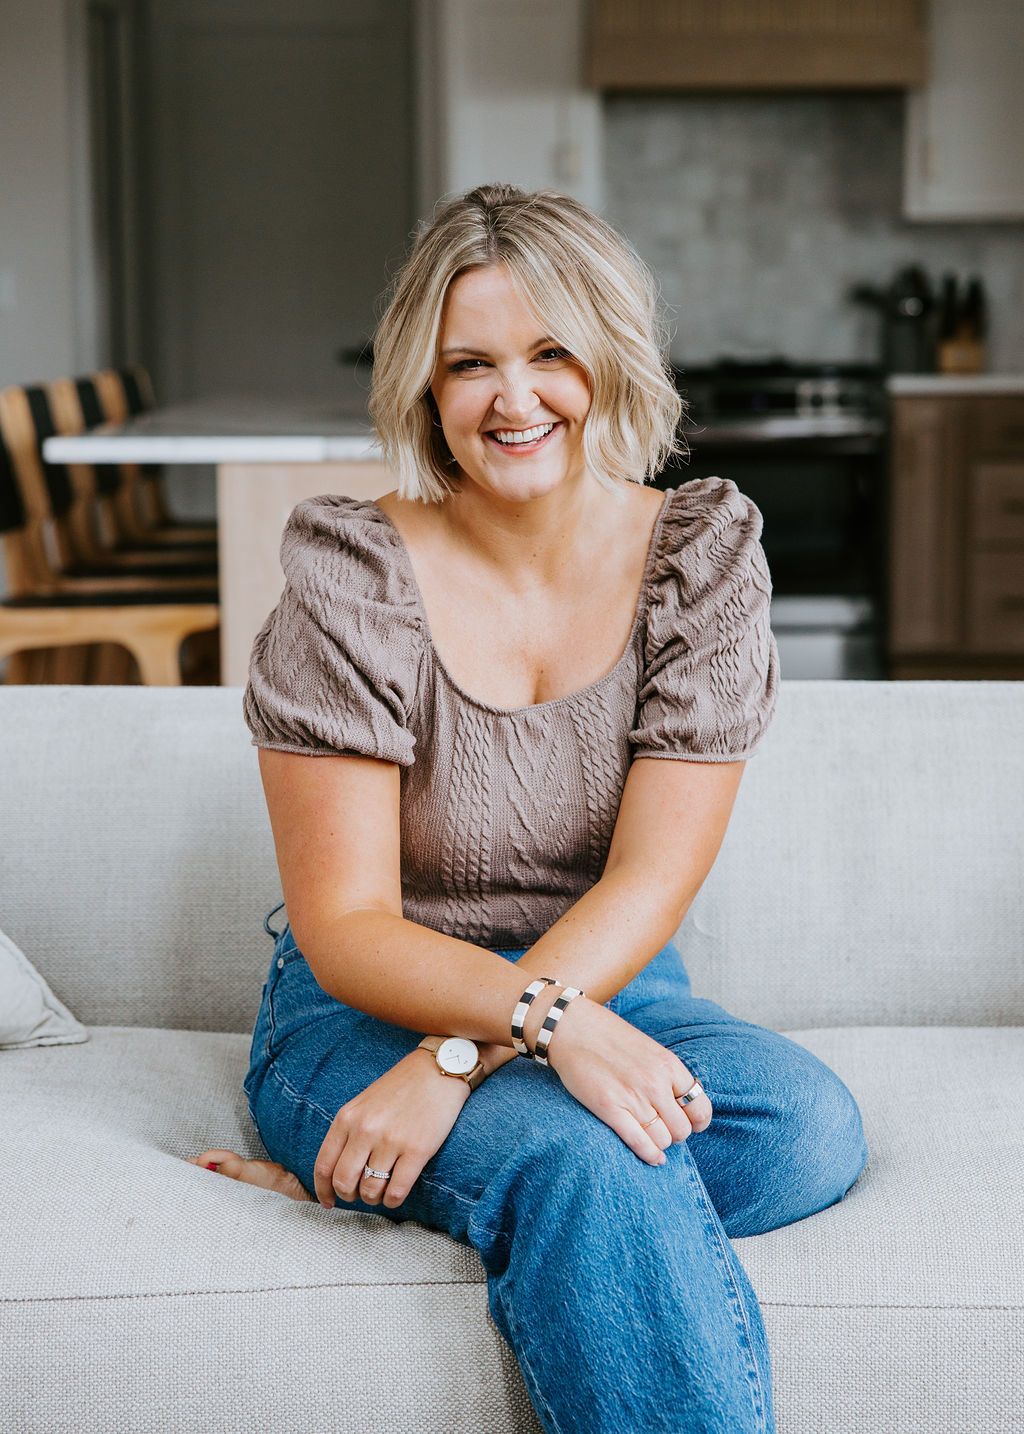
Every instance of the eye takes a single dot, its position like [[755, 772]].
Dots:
[[464, 365]]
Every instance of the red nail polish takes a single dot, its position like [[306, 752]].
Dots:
[[212, 1167]]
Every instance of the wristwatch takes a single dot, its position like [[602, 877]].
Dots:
[[456, 1056]]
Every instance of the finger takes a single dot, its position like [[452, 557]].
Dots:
[[657, 1127], [406, 1172], [348, 1174], [697, 1112], [372, 1187], [324, 1168], [673, 1117], [627, 1125]]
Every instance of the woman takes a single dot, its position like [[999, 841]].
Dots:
[[544, 679]]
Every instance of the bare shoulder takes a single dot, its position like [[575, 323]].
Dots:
[[644, 505], [651, 497], [412, 519], [647, 500]]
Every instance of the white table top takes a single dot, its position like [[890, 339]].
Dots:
[[955, 383], [229, 430]]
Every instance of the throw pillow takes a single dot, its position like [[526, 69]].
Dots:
[[30, 1014]]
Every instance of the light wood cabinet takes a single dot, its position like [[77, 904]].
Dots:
[[747, 44], [956, 536]]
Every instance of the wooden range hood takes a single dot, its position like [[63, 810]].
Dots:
[[756, 44]]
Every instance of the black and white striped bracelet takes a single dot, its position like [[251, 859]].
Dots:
[[554, 1015], [522, 1006], [551, 1020]]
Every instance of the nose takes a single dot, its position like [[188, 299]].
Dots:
[[515, 402]]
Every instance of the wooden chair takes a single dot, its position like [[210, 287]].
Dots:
[[124, 393], [45, 609], [95, 519], [102, 402], [96, 534]]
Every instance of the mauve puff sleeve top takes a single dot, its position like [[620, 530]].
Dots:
[[507, 814]]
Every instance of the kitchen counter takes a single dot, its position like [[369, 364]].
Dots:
[[952, 383], [269, 455], [229, 430]]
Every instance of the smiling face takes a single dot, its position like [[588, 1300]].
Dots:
[[498, 373]]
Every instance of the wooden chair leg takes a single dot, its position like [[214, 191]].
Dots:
[[159, 660]]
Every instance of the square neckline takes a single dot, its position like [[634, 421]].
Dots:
[[577, 696]]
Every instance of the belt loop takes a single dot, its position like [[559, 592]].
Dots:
[[266, 922]]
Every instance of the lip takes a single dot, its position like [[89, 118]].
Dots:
[[523, 450]]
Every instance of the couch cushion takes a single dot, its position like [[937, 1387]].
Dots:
[[915, 1277], [124, 1266], [902, 1307]]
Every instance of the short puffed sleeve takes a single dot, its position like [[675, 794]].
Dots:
[[334, 668], [711, 665]]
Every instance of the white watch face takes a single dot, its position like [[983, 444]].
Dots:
[[457, 1055]]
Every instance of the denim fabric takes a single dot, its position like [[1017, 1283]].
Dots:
[[586, 1247]]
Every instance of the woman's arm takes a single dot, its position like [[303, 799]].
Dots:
[[671, 823], [336, 831]]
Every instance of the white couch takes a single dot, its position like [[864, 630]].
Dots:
[[868, 901]]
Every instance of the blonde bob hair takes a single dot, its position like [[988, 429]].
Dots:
[[589, 289]]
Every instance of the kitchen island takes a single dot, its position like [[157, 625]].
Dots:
[[268, 456]]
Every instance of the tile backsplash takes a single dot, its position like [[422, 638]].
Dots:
[[759, 212]]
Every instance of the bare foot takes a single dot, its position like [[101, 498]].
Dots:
[[253, 1172]]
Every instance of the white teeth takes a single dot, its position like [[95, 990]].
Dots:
[[526, 435]]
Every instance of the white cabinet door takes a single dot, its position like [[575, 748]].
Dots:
[[503, 97], [964, 154]]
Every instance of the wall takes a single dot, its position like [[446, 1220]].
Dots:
[[758, 212], [37, 298]]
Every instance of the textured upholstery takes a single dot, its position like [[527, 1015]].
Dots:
[[867, 901]]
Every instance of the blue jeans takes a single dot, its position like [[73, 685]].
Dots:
[[587, 1247]]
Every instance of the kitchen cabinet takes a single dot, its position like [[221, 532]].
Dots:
[[956, 536], [748, 45], [501, 97], [962, 156]]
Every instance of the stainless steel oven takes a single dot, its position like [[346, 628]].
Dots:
[[808, 443]]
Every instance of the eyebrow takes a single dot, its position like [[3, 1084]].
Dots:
[[481, 353]]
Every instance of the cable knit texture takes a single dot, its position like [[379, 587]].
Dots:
[[507, 814]]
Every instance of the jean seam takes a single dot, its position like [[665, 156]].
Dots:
[[298, 1099], [537, 1394], [757, 1390], [271, 988]]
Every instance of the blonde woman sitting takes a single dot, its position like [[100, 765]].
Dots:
[[503, 714]]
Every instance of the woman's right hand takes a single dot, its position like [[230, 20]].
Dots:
[[623, 1076]]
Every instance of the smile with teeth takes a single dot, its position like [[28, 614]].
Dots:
[[525, 438]]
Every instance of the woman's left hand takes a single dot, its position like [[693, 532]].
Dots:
[[396, 1124]]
